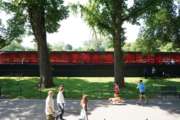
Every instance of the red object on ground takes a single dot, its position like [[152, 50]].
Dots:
[[116, 88]]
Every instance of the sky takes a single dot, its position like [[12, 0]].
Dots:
[[75, 31]]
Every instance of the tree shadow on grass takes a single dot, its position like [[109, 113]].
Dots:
[[20, 88], [129, 92], [75, 88], [153, 85]]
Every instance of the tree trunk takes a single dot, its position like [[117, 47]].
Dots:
[[118, 60], [117, 42], [37, 20]]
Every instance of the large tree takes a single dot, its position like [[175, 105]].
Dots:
[[163, 27], [34, 17], [108, 16]]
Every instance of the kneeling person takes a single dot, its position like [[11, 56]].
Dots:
[[116, 99]]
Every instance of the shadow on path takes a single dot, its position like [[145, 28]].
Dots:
[[29, 109]]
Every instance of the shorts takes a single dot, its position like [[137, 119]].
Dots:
[[142, 93]]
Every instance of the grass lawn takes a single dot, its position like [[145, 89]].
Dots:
[[96, 88]]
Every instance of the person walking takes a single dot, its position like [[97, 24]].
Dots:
[[49, 107], [83, 104], [60, 103], [141, 88]]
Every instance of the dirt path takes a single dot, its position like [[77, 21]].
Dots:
[[98, 110]]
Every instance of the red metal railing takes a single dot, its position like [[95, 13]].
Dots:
[[89, 58]]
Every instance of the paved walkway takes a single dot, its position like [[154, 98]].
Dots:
[[98, 110]]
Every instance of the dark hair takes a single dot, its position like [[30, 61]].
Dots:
[[140, 81]]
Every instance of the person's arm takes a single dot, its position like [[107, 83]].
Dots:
[[86, 106], [59, 98], [81, 104], [51, 109], [137, 86], [50, 106], [63, 99]]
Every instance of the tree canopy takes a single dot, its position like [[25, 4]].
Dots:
[[19, 24], [162, 27]]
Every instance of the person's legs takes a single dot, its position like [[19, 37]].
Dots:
[[144, 98], [86, 115], [83, 115], [60, 112], [140, 98], [50, 117]]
